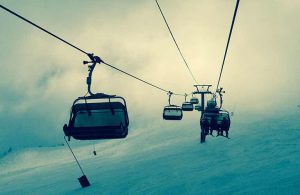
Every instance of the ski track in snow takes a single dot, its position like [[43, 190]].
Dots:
[[166, 159]]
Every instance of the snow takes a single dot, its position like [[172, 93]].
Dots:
[[164, 159]]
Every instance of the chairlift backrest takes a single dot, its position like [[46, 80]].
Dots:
[[198, 107], [224, 114], [194, 100], [217, 117], [99, 114], [172, 112], [100, 120], [187, 106]]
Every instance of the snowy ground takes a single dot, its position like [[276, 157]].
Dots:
[[166, 159]]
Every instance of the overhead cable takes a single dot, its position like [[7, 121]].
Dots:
[[142, 80], [183, 58], [230, 32], [39, 27], [77, 48]]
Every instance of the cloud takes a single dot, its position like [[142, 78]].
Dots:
[[40, 77]]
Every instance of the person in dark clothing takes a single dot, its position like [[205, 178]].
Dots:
[[225, 126], [205, 126], [214, 124]]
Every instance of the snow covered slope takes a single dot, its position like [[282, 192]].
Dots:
[[165, 159]]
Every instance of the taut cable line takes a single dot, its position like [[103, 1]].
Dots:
[[82, 51], [177, 46], [228, 41]]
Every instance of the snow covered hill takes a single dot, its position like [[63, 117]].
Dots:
[[165, 159]]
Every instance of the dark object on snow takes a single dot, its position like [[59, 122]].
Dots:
[[187, 106], [84, 182]]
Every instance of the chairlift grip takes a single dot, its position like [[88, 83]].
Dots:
[[91, 67], [170, 93]]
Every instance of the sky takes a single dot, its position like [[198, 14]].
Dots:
[[40, 76]]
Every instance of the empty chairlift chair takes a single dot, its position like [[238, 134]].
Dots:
[[198, 107], [105, 119], [194, 100], [172, 112], [187, 106]]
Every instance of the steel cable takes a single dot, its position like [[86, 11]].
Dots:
[[68, 43], [228, 41], [183, 58]]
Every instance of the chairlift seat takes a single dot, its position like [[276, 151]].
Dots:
[[102, 120], [194, 100], [198, 107], [172, 112], [187, 106], [218, 117]]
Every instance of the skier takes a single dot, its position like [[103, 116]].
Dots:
[[205, 126], [225, 126], [214, 125]]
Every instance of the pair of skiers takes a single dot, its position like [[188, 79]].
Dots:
[[208, 127], [224, 127]]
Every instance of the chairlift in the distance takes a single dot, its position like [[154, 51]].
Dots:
[[198, 107], [194, 100], [187, 106], [172, 112]]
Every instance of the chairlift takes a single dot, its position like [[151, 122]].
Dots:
[[216, 120], [97, 116], [172, 112], [106, 119], [198, 107], [194, 100], [187, 106]]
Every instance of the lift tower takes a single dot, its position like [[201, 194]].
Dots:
[[202, 90]]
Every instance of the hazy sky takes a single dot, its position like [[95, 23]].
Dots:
[[40, 76]]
